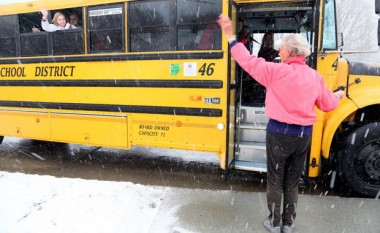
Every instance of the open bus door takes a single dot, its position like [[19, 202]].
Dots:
[[233, 108], [280, 18]]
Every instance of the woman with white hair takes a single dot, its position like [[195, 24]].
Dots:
[[293, 89]]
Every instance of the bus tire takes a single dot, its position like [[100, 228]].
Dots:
[[1, 139], [359, 160]]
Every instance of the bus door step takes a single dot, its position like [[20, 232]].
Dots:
[[252, 151], [250, 166], [254, 132]]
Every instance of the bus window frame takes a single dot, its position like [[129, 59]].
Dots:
[[68, 48], [50, 40], [156, 28], [67, 12], [174, 25], [45, 41], [35, 35], [378, 32], [15, 36], [90, 50], [323, 38]]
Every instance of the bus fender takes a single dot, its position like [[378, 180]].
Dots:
[[357, 99], [333, 119]]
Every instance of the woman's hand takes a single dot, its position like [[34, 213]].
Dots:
[[226, 26], [44, 13], [340, 94]]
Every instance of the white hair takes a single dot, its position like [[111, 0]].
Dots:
[[297, 44]]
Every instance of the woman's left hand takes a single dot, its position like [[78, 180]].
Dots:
[[226, 26], [340, 94]]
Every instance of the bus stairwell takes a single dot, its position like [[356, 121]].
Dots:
[[250, 151]]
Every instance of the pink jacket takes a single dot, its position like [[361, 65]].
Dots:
[[293, 88]]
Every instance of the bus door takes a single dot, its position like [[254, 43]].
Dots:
[[278, 19], [233, 103]]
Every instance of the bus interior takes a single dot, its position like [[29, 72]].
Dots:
[[280, 19]]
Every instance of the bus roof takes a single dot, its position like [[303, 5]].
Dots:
[[9, 7]]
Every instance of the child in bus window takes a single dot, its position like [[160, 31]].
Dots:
[[75, 20], [59, 22]]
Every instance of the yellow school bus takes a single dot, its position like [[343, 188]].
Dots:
[[159, 74]]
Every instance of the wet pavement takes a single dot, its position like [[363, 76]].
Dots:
[[239, 212], [197, 195]]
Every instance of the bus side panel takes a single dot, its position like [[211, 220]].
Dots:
[[181, 132], [24, 124], [99, 130]]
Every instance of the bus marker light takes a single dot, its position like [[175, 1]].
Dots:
[[196, 97], [220, 126]]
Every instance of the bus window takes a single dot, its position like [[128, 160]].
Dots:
[[149, 25], [30, 22], [8, 36], [69, 41], [153, 28], [106, 28], [329, 26], [197, 24], [33, 43], [73, 17]]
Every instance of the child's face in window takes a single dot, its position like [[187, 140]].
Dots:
[[61, 21], [74, 20]]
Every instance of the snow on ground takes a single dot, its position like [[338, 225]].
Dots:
[[45, 204]]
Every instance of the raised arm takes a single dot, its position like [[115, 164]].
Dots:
[[45, 23]]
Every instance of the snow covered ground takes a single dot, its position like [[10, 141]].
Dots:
[[39, 204], [46, 204]]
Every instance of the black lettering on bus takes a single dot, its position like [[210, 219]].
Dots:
[[147, 133], [12, 72], [158, 127], [72, 70], [335, 65], [207, 69], [37, 71], [54, 71]]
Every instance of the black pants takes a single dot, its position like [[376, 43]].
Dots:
[[286, 156]]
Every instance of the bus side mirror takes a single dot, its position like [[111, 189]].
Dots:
[[377, 11], [378, 32], [340, 39]]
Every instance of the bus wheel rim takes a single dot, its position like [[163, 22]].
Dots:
[[372, 165]]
